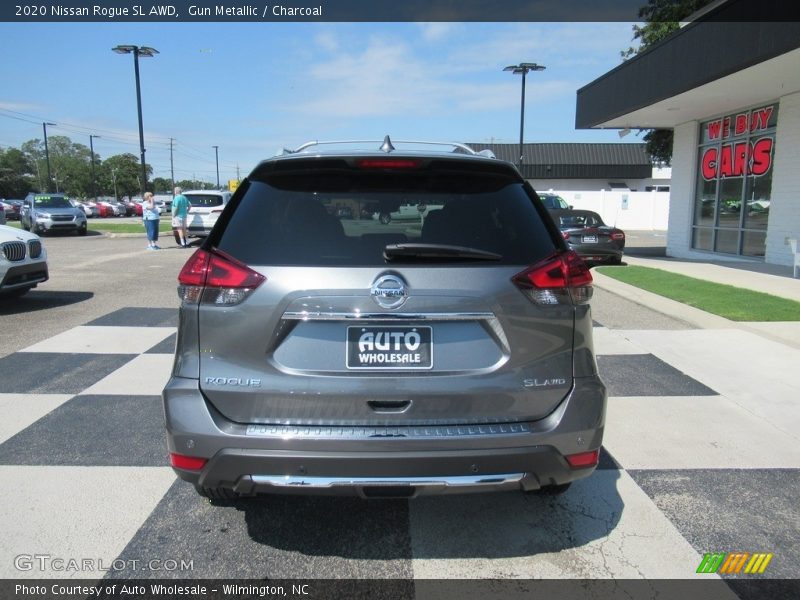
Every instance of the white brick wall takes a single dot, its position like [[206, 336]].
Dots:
[[784, 213], [684, 168]]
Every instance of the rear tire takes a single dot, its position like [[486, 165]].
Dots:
[[219, 494], [552, 490]]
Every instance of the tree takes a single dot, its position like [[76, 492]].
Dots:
[[119, 174], [162, 184], [661, 18], [16, 177]]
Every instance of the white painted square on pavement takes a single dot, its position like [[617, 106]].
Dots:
[[89, 339], [73, 513], [21, 410], [608, 341], [145, 375], [694, 432]]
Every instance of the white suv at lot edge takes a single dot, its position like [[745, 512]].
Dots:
[[206, 208], [23, 261]]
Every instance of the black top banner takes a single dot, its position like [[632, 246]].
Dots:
[[67, 11]]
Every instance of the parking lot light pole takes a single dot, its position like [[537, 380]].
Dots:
[[146, 52], [47, 155], [523, 69], [94, 179], [216, 156]]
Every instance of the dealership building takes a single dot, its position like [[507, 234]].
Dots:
[[728, 84]]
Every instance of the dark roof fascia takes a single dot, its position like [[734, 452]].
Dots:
[[667, 68]]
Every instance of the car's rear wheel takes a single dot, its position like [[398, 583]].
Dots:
[[552, 490], [224, 494]]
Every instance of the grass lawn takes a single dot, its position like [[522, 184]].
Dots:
[[727, 301], [102, 225]]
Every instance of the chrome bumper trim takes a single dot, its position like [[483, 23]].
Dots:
[[439, 481]]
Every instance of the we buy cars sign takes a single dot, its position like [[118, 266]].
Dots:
[[749, 155]]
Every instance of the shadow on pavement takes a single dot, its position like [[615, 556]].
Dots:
[[40, 300]]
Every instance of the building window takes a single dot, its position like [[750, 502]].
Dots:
[[734, 182]]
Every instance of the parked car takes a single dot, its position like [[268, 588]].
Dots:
[[45, 213], [16, 207], [407, 211], [586, 234], [104, 209], [81, 206], [554, 202], [318, 358], [207, 206], [23, 261], [3, 212], [130, 207]]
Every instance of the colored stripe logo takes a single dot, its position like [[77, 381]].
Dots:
[[732, 563]]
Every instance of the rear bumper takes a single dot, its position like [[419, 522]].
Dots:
[[310, 462]]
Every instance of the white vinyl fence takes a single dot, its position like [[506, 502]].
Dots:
[[624, 209]]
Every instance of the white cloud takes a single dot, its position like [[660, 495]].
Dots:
[[434, 32]]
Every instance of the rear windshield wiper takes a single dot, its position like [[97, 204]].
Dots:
[[437, 251]]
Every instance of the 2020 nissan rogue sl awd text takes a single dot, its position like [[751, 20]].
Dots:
[[448, 353]]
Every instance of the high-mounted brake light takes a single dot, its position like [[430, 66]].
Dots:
[[388, 163], [216, 278], [559, 279]]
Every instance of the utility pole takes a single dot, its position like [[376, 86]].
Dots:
[[47, 156], [94, 179], [216, 155], [171, 169]]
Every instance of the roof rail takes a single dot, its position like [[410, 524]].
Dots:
[[384, 145]]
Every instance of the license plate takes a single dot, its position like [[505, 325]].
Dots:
[[590, 239], [389, 348]]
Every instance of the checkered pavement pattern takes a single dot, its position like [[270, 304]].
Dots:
[[696, 459]]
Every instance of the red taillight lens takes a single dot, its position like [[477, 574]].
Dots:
[[565, 235], [189, 463], [584, 459], [388, 163], [226, 272], [216, 278], [194, 271], [618, 235], [560, 279]]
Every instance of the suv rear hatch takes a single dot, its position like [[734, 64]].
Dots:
[[462, 317]]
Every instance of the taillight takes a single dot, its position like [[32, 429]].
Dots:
[[583, 459], [560, 279], [565, 235], [618, 235], [189, 463], [216, 278], [388, 163]]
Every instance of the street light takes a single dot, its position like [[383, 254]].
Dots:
[[47, 154], [523, 69], [94, 180], [216, 155], [145, 52]]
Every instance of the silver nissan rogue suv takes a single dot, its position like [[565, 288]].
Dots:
[[323, 351]]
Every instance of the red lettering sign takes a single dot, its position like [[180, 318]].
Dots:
[[713, 130], [741, 124], [762, 156], [737, 160]]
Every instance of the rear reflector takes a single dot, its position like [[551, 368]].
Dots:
[[559, 279], [388, 163], [584, 459], [216, 278], [189, 463]]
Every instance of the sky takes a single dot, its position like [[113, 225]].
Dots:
[[254, 88]]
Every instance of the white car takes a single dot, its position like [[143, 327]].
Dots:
[[23, 261], [206, 208]]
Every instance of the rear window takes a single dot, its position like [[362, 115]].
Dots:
[[346, 217], [204, 200], [586, 219]]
